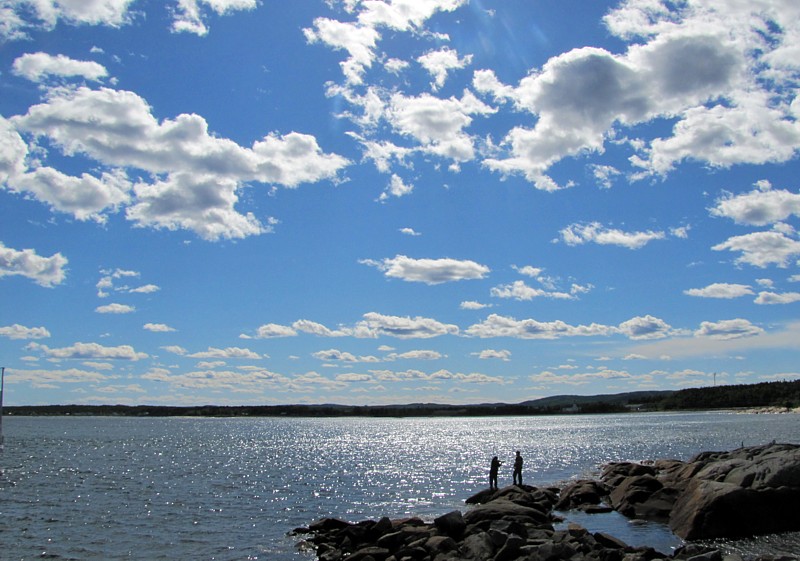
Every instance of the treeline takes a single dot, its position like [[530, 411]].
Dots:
[[767, 394]]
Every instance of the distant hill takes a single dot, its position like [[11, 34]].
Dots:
[[766, 394], [628, 398]]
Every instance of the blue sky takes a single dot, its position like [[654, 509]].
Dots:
[[394, 201]]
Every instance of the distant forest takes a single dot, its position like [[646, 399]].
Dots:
[[767, 394]]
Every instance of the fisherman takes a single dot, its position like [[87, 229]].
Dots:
[[493, 469], [518, 469]]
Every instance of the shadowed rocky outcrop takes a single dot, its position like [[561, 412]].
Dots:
[[740, 493], [743, 492]]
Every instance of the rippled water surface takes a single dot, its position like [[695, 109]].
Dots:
[[185, 488]]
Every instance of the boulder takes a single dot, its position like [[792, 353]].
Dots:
[[503, 508], [451, 524], [581, 494], [712, 509]]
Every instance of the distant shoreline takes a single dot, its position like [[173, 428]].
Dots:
[[766, 397]]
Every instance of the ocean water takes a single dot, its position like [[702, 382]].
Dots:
[[109, 488]]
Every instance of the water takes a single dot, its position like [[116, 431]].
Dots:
[[185, 488]]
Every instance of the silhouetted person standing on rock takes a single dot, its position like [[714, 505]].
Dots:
[[518, 469], [493, 468]]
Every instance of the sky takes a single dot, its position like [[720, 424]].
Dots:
[[241, 202]]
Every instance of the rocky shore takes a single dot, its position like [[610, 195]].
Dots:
[[714, 495]]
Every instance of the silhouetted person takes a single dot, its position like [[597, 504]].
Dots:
[[493, 468], [518, 469]]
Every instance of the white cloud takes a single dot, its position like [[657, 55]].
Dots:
[[645, 327], [728, 329], [518, 290], [415, 355], [89, 351], [775, 298], [85, 197], [37, 66], [229, 352], [358, 40], [22, 16], [202, 173], [720, 290], [115, 309], [314, 328], [758, 207], [502, 326], [272, 330], [529, 271], [396, 188], [189, 17], [594, 232], [473, 305], [504, 355], [44, 271], [375, 325], [439, 62], [17, 331], [52, 378], [335, 355], [145, 289], [717, 69], [437, 124], [762, 249], [409, 232], [158, 328], [429, 271]]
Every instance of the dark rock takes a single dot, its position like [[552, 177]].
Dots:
[[580, 494], [510, 549], [451, 524], [438, 544], [328, 524], [710, 509], [607, 540], [367, 553], [478, 547], [502, 508]]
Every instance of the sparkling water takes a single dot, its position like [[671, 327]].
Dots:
[[90, 488]]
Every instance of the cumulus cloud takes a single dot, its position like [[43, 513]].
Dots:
[[189, 15], [360, 38], [759, 207], [44, 271], [473, 305], [776, 298], [375, 324], [396, 188], [200, 174], [41, 378], [762, 249], [728, 329], [36, 66], [17, 331], [229, 352], [594, 232], [89, 351], [707, 66], [518, 290], [645, 327], [720, 290], [272, 330], [22, 16], [504, 355], [502, 326], [115, 309], [158, 328], [429, 271], [439, 62]]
